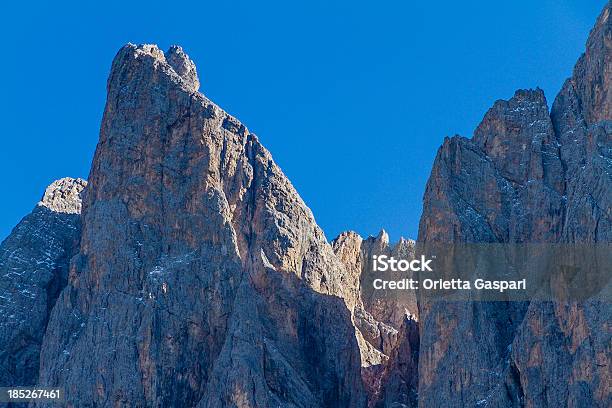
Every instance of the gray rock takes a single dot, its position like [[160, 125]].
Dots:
[[64, 196], [526, 176], [379, 320], [196, 276], [183, 66], [400, 378], [34, 262], [202, 278]]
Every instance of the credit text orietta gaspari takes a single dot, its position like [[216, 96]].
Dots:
[[384, 263]]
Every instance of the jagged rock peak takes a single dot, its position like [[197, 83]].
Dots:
[[405, 241], [514, 133], [536, 95], [347, 236], [527, 176], [179, 60], [351, 239], [592, 76], [525, 104], [174, 61], [187, 215], [383, 237], [64, 195], [404, 246]]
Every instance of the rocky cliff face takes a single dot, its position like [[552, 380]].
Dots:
[[194, 275], [202, 279], [34, 269], [525, 176]]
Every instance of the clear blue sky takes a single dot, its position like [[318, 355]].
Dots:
[[352, 98]]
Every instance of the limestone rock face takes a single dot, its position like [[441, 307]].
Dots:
[[504, 185], [592, 77], [376, 319], [525, 176], [202, 278], [380, 320], [189, 272], [34, 262], [568, 344], [582, 117]]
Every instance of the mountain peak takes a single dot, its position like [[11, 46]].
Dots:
[[592, 76], [175, 63], [603, 21], [183, 66], [383, 237], [64, 195]]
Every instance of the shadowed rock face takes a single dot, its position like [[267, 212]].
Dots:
[[399, 378], [202, 278], [34, 269], [525, 176]]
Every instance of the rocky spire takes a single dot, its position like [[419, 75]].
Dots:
[[202, 278], [592, 77], [183, 66]]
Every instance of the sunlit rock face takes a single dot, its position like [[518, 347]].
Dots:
[[202, 278], [525, 176]]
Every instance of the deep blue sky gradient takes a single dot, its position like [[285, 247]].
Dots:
[[352, 98]]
